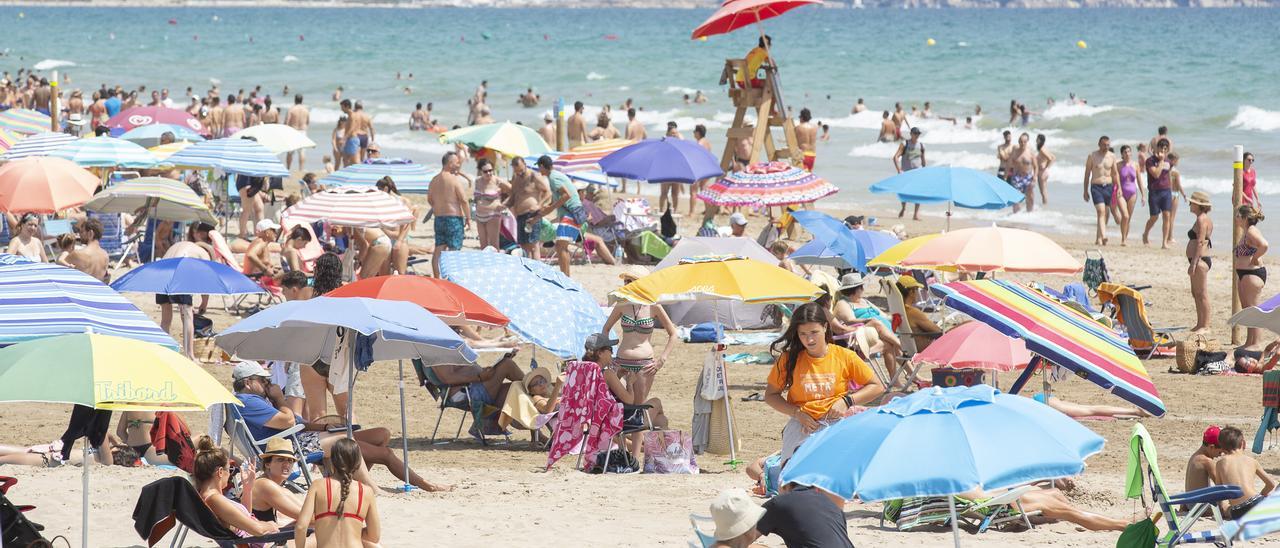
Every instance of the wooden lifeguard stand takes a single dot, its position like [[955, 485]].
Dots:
[[765, 96]]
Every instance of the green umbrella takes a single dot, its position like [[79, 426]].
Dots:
[[507, 138]]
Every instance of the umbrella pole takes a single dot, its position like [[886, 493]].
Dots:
[[404, 430], [949, 216], [1026, 375], [351, 384], [84, 492], [955, 526], [724, 382]]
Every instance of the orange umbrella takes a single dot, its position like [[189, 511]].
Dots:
[[452, 303], [993, 249], [44, 185]]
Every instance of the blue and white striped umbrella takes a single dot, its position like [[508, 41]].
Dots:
[[104, 152], [43, 300], [239, 156], [40, 144], [409, 177], [546, 307], [587, 176], [149, 135]]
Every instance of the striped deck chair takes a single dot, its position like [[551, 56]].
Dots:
[[1143, 470], [907, 369], [1132, 312]]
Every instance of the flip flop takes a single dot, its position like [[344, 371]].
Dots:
[[755, 396]]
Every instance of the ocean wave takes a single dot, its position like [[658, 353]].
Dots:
[[867, 119], [685, 124], [290, 59], [1060, 222], [1061, 111], [1220, 185], [322, 115], [677, 90], [874, 150], [1252, 118], [422, 142], [595, 76], [960, 158], [50, 64]]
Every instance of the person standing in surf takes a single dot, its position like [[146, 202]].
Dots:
[[1100, 177], [1131, 189], [1044, 159], [910, 155], [1023, 170]]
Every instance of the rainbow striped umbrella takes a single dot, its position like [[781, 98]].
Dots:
[[1058, 334], [238, 156], [507, 138], [166, 199], [24, 121], [587, 157], [40, 144], [104, 152], [767, 184], [8, 139], [349, 206], [408, 176]]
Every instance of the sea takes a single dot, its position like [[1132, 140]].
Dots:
[[1210, 75]]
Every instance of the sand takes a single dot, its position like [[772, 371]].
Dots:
[[504, 495]]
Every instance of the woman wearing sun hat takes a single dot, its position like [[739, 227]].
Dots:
[[1199, 244], [271, 501], [635, 352]]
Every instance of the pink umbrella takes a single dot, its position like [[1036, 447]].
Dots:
[[145, 116], [352, 206], [44, 185], [976, 345]]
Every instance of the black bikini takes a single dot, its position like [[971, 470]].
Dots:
[[1208, 261], [1244, 250]]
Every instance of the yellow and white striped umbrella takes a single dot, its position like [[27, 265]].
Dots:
[[165, 199]]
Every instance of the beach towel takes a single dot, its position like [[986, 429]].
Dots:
[[518, 408], [171, 437], [585, 402]]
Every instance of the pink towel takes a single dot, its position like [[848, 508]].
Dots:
[[585, 403]]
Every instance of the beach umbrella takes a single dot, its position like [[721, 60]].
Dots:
[[967, 188], [149, 135], [587, 157], [856, 247], [44, 185], [545, 307], [238, 156], [767, 184], [408, 176], [105, 372], [994, 249], [8, 139], [24, 121], [733, 314], [40, 144], [699, 246], [104, 152], [163, 152], [278, 138], [585, 176], [1057, 333], [941, 442], [1261, 520], [719, 277], [893, 256], [164, 199], [816, 253], [350, 206], [1264, 316], [505, 137], [735, 14], [976, 345], [662, 161], [145, 116], [186, 276]]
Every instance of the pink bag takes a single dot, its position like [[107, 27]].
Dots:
[[669, 452]]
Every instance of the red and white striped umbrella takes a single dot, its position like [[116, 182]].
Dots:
[[362, 207]]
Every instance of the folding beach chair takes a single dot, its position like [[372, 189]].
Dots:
[[1002, 510], [15, 528], [453, 396], [1143, 469], [188, 512], [704, 539], [242, 439], [1131, 311], [590, 419], [907, 370]]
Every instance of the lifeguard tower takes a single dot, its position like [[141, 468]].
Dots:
[[764, 95]]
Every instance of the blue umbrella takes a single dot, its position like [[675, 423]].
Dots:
[[546, 307], [40, 144], [149, 135], [943, 442], [43, 300], [967, 188], [855, 247], [408, 176], [662, 161], [186, 276], [238, 156], [817, 253]]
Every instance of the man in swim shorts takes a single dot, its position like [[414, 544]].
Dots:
[[566, 204], [1101, 175], [807, 139], [447, 197], [1003, 153], [529, 191], [1159, 168], [1022, 172]]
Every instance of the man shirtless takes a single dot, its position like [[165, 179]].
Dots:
[[1200, 468], [807, 139], [362, 129], [419, 119], [1235, 467], [529, 191], [299, 118], [888, 130], [447, 196], [1162, 132], [743, 150], [899, 118], [90, 258], [232, 116], [529, 99], [603, 130], [635, 132], [1004, 153], [548, 129], [859, 106], [700, 135], [577, 130], [213, 122], [1100, 177], [41, 96], [257, 259], [1023, 170]]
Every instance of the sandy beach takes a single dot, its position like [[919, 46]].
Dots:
[[503, 494]]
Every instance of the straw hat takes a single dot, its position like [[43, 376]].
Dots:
[[1200, 198], [633, 272], [537, 372], [280, 447], [734, 513], [851, 280], [908, 282]]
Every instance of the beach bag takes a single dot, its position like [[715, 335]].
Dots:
[[620, 462], [1140, 534], [711, 387], [1210, 363], [705, 332], [203, 326], [669, 452], [1185, 350]]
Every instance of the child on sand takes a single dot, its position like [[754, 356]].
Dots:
[[1200, 467], [1235, 467]]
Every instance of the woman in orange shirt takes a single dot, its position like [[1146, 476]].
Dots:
[[810, 381]]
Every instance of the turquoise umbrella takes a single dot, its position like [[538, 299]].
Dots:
[[105, 152]]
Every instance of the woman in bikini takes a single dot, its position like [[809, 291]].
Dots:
[[488, 196], [343, 511], [212, 474], [1044, 159], [635, 351], [374, 249], [1131, 189], [271, 501], [599, 349], [27, 242], [134, 429], [1199, 242], [1247, 261]]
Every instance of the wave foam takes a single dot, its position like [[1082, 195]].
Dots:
[[875, 150], [321, 115], [1252, 118], [290, 59], [678, 90], [1061, 111], [50, 64], [595, 76], [1059, 221], [867, 119], [960, 158], [415, 141]]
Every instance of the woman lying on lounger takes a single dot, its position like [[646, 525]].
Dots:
[[1081, 411]]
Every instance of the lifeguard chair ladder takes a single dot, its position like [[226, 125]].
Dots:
[[767, 102]]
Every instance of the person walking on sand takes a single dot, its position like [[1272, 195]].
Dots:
[[529, 190], [1199, 242], [1100, 178], [362, 129], [1159, 169], [670, 189], [1023, 172], [910, 155], [299, 118], [1247, 261], [1044, 159], [571, 217], [447, 196], [577, 126], [1131, 189], [488, 201]]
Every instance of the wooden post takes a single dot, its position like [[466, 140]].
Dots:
[[560, 128], [1237, 232], [53, 104]]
